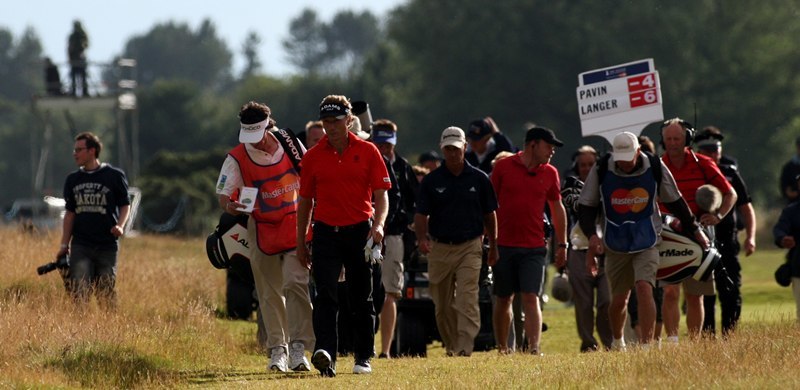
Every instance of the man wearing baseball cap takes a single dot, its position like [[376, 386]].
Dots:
[[485, 143], [456, 204], [625, 184], [384, 135], [259, 161], [342, 176], [709, 143], [524, 184]]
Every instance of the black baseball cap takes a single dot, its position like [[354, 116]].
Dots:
[[333, 109], [429, 156], [543, 133], [478, 129]]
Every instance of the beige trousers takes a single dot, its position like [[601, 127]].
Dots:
[[283, 298], [453, 271]]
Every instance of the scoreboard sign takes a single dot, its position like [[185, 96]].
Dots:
[[624, 97]]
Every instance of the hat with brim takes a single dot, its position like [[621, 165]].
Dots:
[[710, 144], [250, 133], [625, 145], [333, 110], [384, 137], [453, 136], [478, 129], [543, 134]]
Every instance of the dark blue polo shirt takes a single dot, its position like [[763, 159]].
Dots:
[[456, 205]]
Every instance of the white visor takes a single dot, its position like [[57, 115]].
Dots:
[[252, 133]]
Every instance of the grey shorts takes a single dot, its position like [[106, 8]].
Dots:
[[519, 270], [392, 266]]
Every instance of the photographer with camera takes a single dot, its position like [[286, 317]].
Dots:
[[97, 207]]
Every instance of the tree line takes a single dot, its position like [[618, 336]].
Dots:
[[428, 65]]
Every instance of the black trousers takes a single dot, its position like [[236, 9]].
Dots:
[[331, 249], [729, 292]]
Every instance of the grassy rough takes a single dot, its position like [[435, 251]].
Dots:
[[167, 332]]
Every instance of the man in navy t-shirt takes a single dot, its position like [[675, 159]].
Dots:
[[97, 207]]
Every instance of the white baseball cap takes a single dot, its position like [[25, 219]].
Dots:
[[625, 145], [453, 136]]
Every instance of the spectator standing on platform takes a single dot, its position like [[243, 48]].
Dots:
[[77, 44], [52, 78]]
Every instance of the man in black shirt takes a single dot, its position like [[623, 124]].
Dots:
[[709, 143], [456, 204], [97, 207], [485, 143], [790, 170], [384, 135]]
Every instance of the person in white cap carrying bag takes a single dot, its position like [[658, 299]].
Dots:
[[261, 162], [626, 184]]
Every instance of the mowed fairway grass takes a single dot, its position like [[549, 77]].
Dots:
[[169, 332]]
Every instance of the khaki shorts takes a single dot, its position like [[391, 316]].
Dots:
[[696, 287], [392, 265], [624, 269]]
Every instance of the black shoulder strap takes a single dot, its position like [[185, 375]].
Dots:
[[655, 164], [291, 146], [602, 168]]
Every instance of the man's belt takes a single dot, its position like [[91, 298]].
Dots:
[[345, 228], [451, 242]]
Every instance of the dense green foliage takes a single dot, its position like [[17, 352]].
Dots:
[[428, 65]]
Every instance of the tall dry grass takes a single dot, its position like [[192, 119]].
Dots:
[[167, 332], [166, 322]]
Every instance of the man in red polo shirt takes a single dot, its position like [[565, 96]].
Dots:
[[341, 177], [524, 183], [690, 172]]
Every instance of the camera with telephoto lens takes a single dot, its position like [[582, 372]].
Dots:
[[60, 263]]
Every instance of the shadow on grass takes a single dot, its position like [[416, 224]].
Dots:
[[98, 365], [221, 376]]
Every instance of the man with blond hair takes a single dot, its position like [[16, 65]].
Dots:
[[342, 176]]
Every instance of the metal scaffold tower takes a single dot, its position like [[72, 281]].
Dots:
[[116, 96]]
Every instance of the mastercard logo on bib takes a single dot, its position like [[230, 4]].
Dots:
[[629, 201]]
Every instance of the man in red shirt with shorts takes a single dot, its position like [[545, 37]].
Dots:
[[524, 183]]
